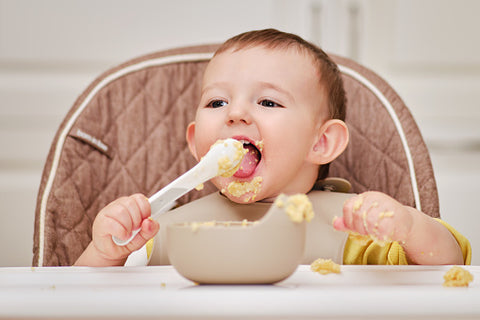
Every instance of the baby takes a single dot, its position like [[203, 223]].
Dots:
[[284, 99]]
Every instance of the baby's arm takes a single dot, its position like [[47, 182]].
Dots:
[[119, 218], [425, 240]]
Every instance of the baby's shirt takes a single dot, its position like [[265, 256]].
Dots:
[[366, 251]]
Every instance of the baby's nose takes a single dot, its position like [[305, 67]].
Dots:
[[239, 113]]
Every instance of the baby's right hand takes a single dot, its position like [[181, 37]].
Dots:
[[119, 219]]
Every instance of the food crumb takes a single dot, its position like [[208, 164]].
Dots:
[[457, 277], [199, 187], [298, 207], [196, 225], [358, 203], [259, 145], [324, 266], [385, 214]]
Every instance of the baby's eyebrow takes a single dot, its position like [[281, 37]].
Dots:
[[269, 85], [215, 85]]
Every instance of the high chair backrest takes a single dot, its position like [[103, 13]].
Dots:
[[126, 134]]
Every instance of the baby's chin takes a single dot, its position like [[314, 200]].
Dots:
[[244, 199], [241, 191]]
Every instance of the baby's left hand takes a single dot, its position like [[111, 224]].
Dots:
[[377, 215]]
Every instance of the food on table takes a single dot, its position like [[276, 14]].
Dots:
[[457, 277], [324, 266]]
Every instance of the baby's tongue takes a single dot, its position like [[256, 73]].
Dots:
[[249, 162]]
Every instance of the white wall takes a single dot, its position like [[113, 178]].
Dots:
[[50, 50]]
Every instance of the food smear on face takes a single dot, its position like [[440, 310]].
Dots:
[[457, 277], [239, 188], [259, 145], [250, 161], [324, 266], [298, 207]]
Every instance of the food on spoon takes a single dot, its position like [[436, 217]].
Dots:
[[225, 164], [457, 277], [298, 207], [324, 266]]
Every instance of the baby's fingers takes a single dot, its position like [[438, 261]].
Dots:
[[354, 214], [143, 205], [339, 224], [148, 230]]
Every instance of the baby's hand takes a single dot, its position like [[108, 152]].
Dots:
[[377, 215], [119, 219]]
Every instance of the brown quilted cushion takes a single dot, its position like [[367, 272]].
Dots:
[[142, 117], [375, 158]]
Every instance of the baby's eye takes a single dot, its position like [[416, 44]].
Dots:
[[269, 103], [217, 104]]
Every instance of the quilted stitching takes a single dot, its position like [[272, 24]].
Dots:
[[134, 113], [142, 116]]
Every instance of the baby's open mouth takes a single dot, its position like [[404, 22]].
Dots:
[[250, 161]]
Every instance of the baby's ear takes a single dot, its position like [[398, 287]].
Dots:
[[191, 139], [330, 142]]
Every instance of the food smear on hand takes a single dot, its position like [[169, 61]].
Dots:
[[298, 207], [358, 203], [240, 188], [457, 277], [226, 165], [324, 266]]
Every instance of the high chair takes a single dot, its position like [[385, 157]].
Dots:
[[126, 134]]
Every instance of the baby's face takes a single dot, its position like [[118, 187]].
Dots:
[[272, 101]]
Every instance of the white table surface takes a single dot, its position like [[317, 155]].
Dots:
[[369, 292]]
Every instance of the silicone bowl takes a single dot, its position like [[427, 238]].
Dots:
[[261, 252]]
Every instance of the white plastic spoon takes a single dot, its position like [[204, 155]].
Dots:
[[223, 158]]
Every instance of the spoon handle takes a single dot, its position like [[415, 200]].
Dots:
[[206, 169], [162, 201]]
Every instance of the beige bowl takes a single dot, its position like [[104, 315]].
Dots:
[[260, 252]]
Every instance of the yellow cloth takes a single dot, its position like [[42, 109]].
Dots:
[[366, 251]]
